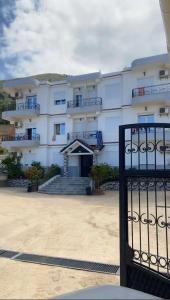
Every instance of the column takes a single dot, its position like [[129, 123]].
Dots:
[[66, 159], [94, 159]]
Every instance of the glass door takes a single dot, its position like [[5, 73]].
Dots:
[[31, 102]]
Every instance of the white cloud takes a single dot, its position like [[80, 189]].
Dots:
[[76, 36]]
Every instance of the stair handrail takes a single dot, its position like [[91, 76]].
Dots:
[[48, 182]]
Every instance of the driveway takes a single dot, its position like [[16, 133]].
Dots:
[[77, 227]]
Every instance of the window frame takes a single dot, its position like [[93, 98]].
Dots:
[[61, 127], [146, 118], [60, 102]]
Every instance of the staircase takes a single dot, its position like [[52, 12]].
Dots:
[[65, 186]]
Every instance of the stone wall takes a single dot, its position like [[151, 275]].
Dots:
[[18, 183], [143, 184], [110, 186]]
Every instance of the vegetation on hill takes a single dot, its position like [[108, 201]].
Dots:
[[6, 99]]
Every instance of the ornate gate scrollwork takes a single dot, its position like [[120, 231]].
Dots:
[[145, 208]]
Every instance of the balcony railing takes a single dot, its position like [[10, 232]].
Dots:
[[85, 135], [22, 107], [90, 137], [20, 137], [151, 90], [84, 102]]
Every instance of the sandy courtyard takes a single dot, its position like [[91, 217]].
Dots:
[[78, 227]]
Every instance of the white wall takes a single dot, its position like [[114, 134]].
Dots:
[[116, 93]]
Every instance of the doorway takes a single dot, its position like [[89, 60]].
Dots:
[[31, 133], [86, 162]]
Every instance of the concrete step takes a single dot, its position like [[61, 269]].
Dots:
[[67, 186]]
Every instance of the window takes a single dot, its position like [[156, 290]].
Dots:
[[78, 100], [146, 119], [60, 129], [59, 98], [60, 102], [31, 101]]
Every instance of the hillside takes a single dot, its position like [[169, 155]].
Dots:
[[5, 99]]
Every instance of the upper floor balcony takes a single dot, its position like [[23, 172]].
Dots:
[[151, 135], [21, 110], [151, 94], [93, 138], [85, 105], [20, 141]]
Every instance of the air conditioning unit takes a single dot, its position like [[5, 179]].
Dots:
[[18, 124], [164, 111], [163, 74]]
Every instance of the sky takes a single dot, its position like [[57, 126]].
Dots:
[[77, 36]]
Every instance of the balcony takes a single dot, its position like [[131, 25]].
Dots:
[[151, 94], [85, 105], [90, 137], [20, 141], [19, 111], [150, 134]]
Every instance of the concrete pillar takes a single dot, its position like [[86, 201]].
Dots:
[[94, 159], [66, 160]]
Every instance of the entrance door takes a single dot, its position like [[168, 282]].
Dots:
[[86, 164], [145, 208]]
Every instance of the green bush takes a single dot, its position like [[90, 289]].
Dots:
[[52, 171], [101, 173], [2, 151], [37, 165], [13, 167]]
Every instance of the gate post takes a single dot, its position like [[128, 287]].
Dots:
[[123, 209]]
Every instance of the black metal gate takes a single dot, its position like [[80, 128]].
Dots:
[[145, 208]]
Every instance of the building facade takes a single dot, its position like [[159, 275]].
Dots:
[[75, 123]]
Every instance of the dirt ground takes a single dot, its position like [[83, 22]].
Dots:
[[77, 227]]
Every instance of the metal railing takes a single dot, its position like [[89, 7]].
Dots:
[[84, 102], [85, 135], [20, 137], [151, 90], [148, 130], [22, 107]]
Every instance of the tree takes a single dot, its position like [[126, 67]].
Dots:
[[12, 166], [34, 174]]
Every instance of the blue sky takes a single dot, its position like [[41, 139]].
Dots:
[[77, 36]]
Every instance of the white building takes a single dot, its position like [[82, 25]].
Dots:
[[75, 122]]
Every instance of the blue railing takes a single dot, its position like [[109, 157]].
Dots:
[[22, 107], [88, 136], [21, 137]]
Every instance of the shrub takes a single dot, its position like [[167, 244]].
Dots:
[[13, 167], [3, 151], [101, 173], [53, 170], [34, 174], [37, 165]]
